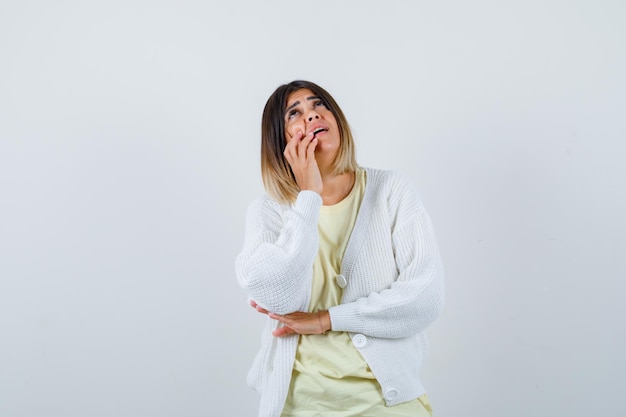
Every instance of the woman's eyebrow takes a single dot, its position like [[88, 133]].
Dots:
[[292, 106], [298, 102]]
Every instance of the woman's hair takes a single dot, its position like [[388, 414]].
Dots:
[[277, 175]]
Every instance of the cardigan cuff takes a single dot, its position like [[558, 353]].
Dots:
[[345, 318], [308, 205]]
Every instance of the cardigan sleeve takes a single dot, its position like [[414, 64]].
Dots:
[[416, 297], [275, 263]]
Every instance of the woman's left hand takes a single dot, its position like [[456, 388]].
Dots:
[[298, 322]]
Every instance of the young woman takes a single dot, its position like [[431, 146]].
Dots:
[[344, 263]]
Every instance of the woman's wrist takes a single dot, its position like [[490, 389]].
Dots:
[[324, 321]]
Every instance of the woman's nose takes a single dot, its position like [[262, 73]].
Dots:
[[312, 116]]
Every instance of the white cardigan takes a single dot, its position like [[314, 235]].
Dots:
[[394, 284]]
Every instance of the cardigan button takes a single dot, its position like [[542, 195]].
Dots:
[[391, 394], [342, 281], [359, 340]]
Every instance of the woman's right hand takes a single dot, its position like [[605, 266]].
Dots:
[[300, 153], [298, 322]]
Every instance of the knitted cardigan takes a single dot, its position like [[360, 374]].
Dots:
[[394, 284]]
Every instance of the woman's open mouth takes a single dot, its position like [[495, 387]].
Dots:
[[319, 130]]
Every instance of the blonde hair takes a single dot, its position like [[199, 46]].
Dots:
[[278, 178]]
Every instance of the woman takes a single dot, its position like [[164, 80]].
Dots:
[[344, 263]]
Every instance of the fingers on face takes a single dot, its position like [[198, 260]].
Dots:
[[295, 139], [298, 146], [304, 146], [290, 149], [311, 149]]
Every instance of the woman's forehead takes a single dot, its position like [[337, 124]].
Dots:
[[300, 95]]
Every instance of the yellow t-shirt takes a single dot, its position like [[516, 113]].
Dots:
[[330, 378]]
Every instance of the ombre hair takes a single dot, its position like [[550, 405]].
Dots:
[[278, 178]]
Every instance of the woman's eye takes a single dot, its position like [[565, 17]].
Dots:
[[292, 114], [319, 103]]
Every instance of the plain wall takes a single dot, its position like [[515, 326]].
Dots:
[[129, 151]]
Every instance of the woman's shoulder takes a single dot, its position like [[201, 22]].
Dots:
[[394, 189], [387, 179], [265, 204]]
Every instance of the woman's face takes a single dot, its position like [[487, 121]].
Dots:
[[305, 112]]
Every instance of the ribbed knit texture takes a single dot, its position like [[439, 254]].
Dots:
[[395, 284]]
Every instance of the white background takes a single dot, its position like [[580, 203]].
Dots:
[[130, 149]]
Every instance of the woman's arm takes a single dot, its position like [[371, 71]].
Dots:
[[413, 300], [275, 263], [416, 297]]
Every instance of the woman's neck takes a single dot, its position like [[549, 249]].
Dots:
[[336, 187]]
